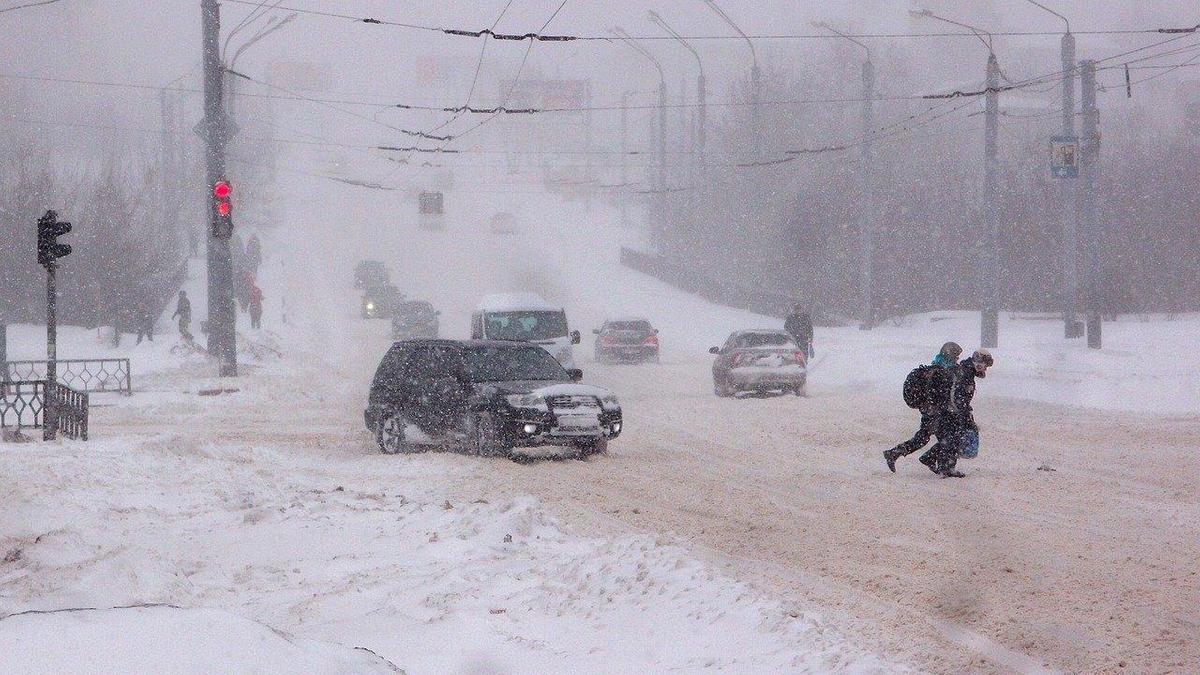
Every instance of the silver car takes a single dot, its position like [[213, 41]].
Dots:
[[764, 360]]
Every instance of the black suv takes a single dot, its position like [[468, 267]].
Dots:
[[488, 396]]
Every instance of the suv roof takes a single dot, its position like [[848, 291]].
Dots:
[[516, 302], [464, 343]]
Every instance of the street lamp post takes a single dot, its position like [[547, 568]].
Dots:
[[866, 211], [989, 315], [662, 101], [702, 114], [755, 80], [1067, 187]]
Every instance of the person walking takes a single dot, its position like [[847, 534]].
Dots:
[[928, 387], [256, 307], [145, 324], [798, 324], [183, 310], [957, 421], [253, 254]]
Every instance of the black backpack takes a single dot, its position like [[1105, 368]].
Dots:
[[917, 387]]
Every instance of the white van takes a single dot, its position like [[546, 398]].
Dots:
[[525, 317]]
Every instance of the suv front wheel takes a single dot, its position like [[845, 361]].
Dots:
[[487, 436], [390, 434]]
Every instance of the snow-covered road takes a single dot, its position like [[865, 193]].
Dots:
[[756, 536]]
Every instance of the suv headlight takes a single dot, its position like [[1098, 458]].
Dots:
[[534, 401], [610, 402]]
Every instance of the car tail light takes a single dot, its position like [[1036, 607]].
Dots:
[[607, 340], [651, 341], [800, 357]]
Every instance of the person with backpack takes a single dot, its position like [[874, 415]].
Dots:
[[957, 430], [799, 325], [927, 389]]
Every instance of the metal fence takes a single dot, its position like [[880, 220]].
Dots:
[[85, 375], [22, 403], [26, 404]]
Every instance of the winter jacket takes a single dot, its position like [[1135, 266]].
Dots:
[[962, 391], [800, 327], [183, 310]]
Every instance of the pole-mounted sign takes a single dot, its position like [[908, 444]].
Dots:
[[1064, 156]]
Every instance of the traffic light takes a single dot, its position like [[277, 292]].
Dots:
[[222, 210], [49, 230]]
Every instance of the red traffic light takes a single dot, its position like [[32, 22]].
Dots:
[[222, 190], [223, 208]]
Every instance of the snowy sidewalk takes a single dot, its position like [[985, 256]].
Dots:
[[282, 515]]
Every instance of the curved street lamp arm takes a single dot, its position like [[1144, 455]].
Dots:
[[721, 13], [831, 29], [658, 20], [632, 44], [1064, 19]]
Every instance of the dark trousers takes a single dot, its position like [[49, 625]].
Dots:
[[943, 456], [929, 427], [255, 318]]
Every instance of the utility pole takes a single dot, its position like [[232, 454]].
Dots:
[[167, 157], [866, 212], [989, 318], [222, 337], [1089, 150], [662, 134], [1067, 191], [621, 191]]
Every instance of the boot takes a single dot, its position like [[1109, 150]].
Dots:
[[890, 457]]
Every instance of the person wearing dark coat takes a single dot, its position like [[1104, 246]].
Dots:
[[145, 325], [958, 418], [798, 324], [938, 386], [183, 310]]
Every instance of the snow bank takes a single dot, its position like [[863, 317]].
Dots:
[[166, 641], [1148, 365], [320, 540]]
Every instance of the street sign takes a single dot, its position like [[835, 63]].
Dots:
[[431, 203], [1064, 156]]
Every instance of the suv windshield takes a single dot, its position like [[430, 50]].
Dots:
[[629, 325], [752, 340], [525, 326], [510, 364]]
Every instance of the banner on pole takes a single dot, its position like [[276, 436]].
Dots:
[[1064, 156]]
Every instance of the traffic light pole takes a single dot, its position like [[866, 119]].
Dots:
[[222, 336], [49, 407]]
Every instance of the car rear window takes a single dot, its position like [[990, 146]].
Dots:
[[753, 340], [629, 325]]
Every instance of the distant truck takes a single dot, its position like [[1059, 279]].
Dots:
[[526, 317]]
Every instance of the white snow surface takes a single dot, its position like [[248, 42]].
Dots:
[[324, 545], [252, 505], [168, 641]]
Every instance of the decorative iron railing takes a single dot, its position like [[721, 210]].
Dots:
[[86, 375], [22, 403], [31, 403]]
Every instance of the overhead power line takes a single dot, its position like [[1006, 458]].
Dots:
[[27, 5], [539, 37]]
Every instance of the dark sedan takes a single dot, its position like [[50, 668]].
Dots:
[[626, 341]]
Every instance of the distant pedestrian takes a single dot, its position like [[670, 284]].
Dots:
[[799, 325], [253, 254], [957, 423], [927, 388], [183, 310], [145, 324], [256, 307]]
